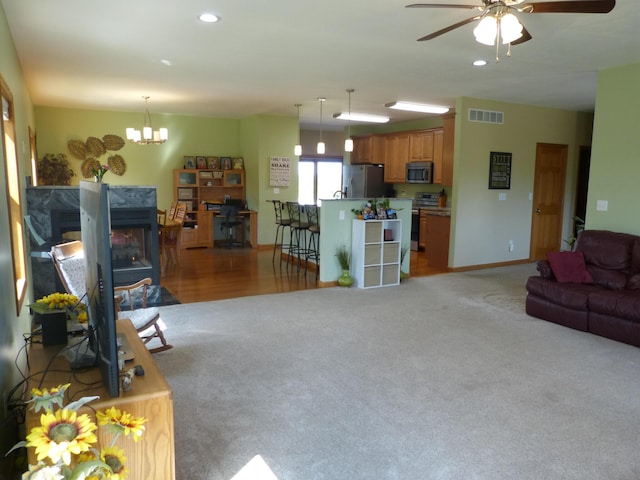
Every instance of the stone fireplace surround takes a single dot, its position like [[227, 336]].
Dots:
[[53, 210]]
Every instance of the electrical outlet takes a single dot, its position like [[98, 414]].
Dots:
[[510, 245], [341, 214]]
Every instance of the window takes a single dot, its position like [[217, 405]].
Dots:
[[318, 178], [13, 195]]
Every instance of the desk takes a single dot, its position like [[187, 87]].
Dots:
[[253, 225], [151, 397]]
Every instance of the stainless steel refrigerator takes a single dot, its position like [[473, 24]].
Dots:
[[364, 181]]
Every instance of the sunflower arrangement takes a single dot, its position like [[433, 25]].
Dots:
[[66, 442], [67, 302]]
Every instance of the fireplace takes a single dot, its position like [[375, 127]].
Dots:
[[54, 217], [134, 239]]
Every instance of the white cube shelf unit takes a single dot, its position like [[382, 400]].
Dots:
[[375, 252]]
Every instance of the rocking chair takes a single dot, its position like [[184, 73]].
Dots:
[[69, 262]]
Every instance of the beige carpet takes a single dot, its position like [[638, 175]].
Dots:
[[442, 377]]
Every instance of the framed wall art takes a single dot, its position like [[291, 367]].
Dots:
[[500, 171]]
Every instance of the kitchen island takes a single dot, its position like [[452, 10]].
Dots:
[[336, 219]]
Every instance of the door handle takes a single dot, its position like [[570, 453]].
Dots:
[[538, 210]]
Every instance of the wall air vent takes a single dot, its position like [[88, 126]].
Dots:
[[485, 116]]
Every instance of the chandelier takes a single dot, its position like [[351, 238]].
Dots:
[[147, 136]]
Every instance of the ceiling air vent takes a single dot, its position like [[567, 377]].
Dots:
[[485, 116]]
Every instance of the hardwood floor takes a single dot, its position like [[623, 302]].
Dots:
[[215, 274]]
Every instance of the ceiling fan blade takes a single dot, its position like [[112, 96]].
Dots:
[[526, 36], [449, 28], [442, 5], [566, 6]]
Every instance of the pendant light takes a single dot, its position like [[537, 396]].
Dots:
[[320, 149], [148, 136], [297, 150], [348, 143]]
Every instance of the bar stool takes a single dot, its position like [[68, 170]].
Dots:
[[299, 228], [313, 251], [281, 224]]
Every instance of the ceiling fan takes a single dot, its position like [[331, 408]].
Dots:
[[498, 22]]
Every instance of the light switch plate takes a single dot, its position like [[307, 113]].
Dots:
[[502, 196], [602, 205]]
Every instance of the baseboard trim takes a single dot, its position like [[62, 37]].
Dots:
[[483, 266]]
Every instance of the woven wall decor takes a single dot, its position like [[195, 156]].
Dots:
[[93, 148]]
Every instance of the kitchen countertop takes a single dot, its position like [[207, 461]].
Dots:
[[440, 212]]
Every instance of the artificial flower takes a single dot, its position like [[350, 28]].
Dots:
[[62, 434], [45, 399], [43, 472], [122, 422], [114, 457]]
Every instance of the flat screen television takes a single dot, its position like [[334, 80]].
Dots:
[[95, 223]]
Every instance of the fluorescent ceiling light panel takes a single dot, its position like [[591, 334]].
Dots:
[[361, 117], [417, 107]]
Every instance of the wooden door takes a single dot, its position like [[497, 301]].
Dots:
[[548, 199]]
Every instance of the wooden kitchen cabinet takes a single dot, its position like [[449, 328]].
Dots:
[[368, 150], [397, 146], [437, 240], [421, 143], [422, 237], [437, 156], [448, 137]]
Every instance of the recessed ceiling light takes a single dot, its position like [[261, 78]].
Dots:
[[166, 62], [417, 107], [209, 18], [479, 63]]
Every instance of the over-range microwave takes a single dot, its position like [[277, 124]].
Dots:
[[419, 172]]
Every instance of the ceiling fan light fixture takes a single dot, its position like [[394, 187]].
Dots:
[[361, 117], [510, 28], [417, 107], [487, 30]]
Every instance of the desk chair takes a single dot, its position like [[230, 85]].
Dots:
[[68, 259], [230, 221]]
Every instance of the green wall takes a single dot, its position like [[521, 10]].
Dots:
[[254, 138], [482, 225], [615, 157], [12, 324]]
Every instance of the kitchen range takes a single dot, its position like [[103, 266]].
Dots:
[[435, 202]]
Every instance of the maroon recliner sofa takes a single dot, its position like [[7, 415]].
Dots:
[[605, 300]]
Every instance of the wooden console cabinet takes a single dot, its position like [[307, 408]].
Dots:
[[151, 397]]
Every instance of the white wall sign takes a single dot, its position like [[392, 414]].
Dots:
[[279, 172]]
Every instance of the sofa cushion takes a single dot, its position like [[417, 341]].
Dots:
[[606, 249], [619, 303], [569, 267], [635, 256], [611, 279], [570, 295], [633, 282]]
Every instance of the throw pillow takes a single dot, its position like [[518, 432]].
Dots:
[[569, 267]]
